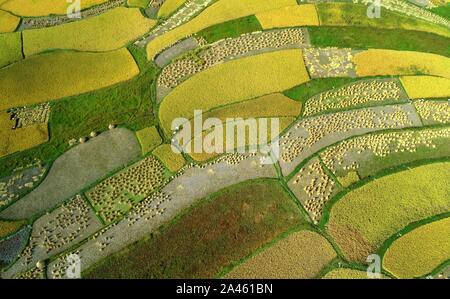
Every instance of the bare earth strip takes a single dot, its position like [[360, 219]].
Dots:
[[195, 182], [77, 168]]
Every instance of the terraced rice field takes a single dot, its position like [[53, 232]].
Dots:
[[343, 123], [419, 251], [364, 218], [124, 25]]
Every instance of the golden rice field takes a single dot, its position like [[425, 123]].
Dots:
[[234, 81], [33, 8], [8, 22], [365, 217], [347, 273], [138, 3], [55, 75], [169, 7], [420, 251], [302, 254], [219, 12], [149, 139], [419, 87], [169, 158], [379, 62], [119, 26], [20, 139], [349, 14], [9, 227], [10, 45], [289, 16]]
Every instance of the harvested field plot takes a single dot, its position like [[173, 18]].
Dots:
[[434, 112], [116, 195], [11, 246], [221, 230], [419, 251], [189, 186], [313, 188], [329, 62], [300, 255], [219, 12], [366, 155], [171, 160], [55, 232], [419, 87], [79, 167], [311, 134], [289, 16], [118, 27], [59, 74], [11, 45], [234, 81], [361, 93], [29, 8], [378, 62], [364, 218]]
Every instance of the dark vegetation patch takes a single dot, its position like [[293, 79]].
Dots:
[[233, 29]]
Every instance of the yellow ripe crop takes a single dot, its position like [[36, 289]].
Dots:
[[300, 255], [364, 218], [8, 22], [108, 31], [172, 160], [148, 138], [11, 48], [347, 273], [169, 7], [289, 16], [33, 8], [420, 87], [19, 139], [219, 12], [54, 75], [232, 82], [420, 251], [376, 62]]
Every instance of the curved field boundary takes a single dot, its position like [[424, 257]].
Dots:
[[55, 75], [301, 254], [50, 21], [289, 16], [219, 12], [233, 81], [119, 26], [183, 191], [9, 22], [75, 169], [359, 230], [419, 251], [170, 6]]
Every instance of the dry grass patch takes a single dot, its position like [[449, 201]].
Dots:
[[289, 16], [9, 227], [300, 255], [106, 32], [419, 87], [378, 62], [33, 8], [420, 251], [20, 139], [8, 22], [59, 74], [234, 81], [365, 217], [219, 12], [172, 160], [149, 139]]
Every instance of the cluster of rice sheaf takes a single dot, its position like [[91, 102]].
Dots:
[[135, 183], [28, 116], [329, 62], [193, 63], [438, 111], [323, 125], [381, 145], [353, 95]]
